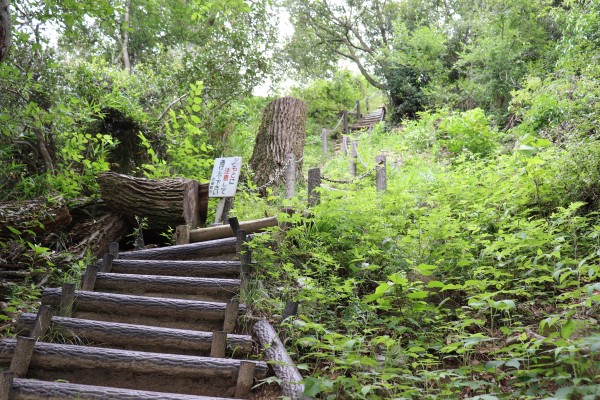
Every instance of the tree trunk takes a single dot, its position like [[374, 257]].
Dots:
[[174, 201], [282, 132], [33, 215], [96, 234], [5, 36], [126, 60]]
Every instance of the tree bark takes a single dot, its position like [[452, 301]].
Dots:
[[174, 201], [95, 235], [33, 215], [282, 132], [5, 25], [126, 60]]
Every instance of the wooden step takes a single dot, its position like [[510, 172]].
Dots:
[[132, 369], [142, 310], [209, 289], [29, 389], [136, 337], [184, 251], [211, 269]]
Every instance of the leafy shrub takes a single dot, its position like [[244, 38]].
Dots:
[[468, 130]]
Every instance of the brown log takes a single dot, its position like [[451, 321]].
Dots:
[[37, 216], [5, 27], [172, 313], [97, 234], [165, 202], [225, 231], [282, 132], [183, 251], [245, 380], [63, 356], [136, 337], [213, 269], [211, 289], [284, 367], [21, 359], [28, 389]]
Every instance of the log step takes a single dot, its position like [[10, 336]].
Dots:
[[132, 369], [29, 389], [210, 289], [184, 251], [136, 337], [142, 310], [211, 269]]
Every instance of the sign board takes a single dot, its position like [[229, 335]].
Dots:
[[225, 176]]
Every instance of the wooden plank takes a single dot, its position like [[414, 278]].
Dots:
[[27, 389], [42, 322], [137, 337], [64, 356], [6, 385], [216, 269], [22, 354], [182, 234], [184, 251], [65, 307], [89, 277], [231, 316], [219, 344], [245, 380]]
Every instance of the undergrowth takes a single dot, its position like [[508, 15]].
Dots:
[[475, 275]]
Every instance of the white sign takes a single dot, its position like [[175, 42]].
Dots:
[[225, 176]]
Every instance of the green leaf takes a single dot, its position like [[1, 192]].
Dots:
[[567, 329]]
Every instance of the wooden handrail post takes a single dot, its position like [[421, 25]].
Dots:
[[345, 122], [290, 177], [353, 158], [357, 109], [314, 181], [345, 145], [324, 140], [380, 173]]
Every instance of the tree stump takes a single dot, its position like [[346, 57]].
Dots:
[[282, 132], [164, 202]]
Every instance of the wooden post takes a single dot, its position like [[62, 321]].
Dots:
[[113, 248], [245, 257], [245, 380], [231, 315], [219, 344], [89, 277], [22, 357], [324, 140], [291, 309], [353, 158], [345, 122], [367, 104], [314, 182], [107, 261], [6, 385], [42, 322], [67, 298], [219, 211], [290, 177], [357, 109], [182, 234], [235, 225], [345, 145], [380, 173]]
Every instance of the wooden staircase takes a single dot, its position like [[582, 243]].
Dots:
[[367, 121], [148, 324]]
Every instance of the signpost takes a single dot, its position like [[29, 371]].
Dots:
[[224, 181]]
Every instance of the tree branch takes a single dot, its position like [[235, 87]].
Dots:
[[362, 69]]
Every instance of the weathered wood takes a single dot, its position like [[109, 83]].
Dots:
[[183, 251], [95, 236], [89, 277], [137, 337], [34, 215], [5, 28], [107, 261], [380, 173], [231, 316], [224, 231], [353, 158], [182, 234], [42, 322], [324, 140], [291, 309], [284, 367], [244, 253], [162, 202], [214, 269], [235, 225], [219, 344], [345, 122], [282, 131], [314, 181], [168, 286], [6, 385], [67, 297], [28, 389], [345, 145], [290, 177], [358, 115], [245, 380], [63, 356], [113, 248], [164, 312], [21, 359]]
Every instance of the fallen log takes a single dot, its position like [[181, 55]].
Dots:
[[33, 217], [165, 202], [276, 354], [95, 235]]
